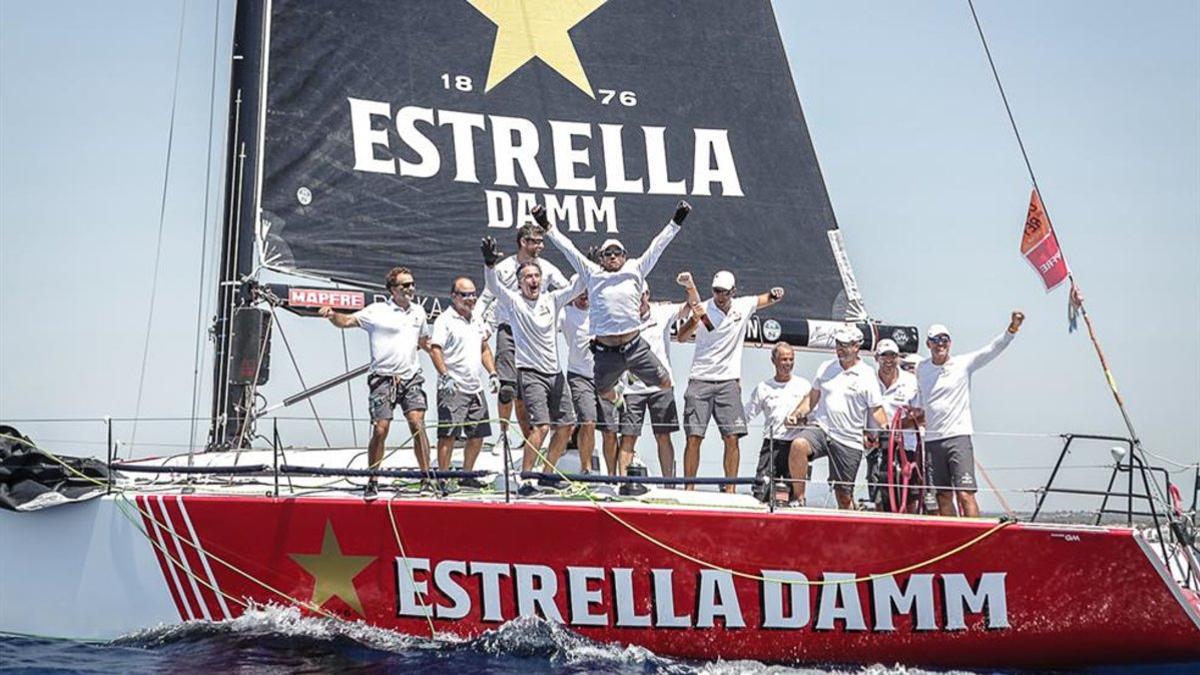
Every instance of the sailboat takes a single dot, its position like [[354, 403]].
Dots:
[[368, 134]]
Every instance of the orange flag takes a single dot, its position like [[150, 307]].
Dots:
[[1040, 246]]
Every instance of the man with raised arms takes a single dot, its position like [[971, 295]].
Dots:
[[715, 386], [615, 287], [397, 329], [844, 392], [775, 399], [642, 397], [530, 243], [459, 350], [591, 411], [944, 385], [543, 387]]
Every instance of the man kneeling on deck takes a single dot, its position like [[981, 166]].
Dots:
[[843, 393], [775, 399], [543, 387]]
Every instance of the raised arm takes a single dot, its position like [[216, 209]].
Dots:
[[492, 255], [654, 251], [693, 299], [565, 295], [980, 358], [576, 258], [770, 297]]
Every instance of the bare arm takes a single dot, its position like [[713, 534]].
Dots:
[[803, 408], [489, 363], [438, 358], [770, 297], [880, 417], [338, 319], [693, 299], [687, 329]]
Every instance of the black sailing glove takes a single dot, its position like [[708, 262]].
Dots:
[[681, 212], [491, 253], [539, 216]]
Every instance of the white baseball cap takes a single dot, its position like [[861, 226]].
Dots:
[[886, 346], [847, 334], [611, 243], [936, 330], [724, 280]]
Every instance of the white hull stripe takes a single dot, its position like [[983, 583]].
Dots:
[[195, 540], [185, 607], [183, 559]]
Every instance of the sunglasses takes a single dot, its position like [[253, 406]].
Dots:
[[536, 241], [612, 253], [892, 354], [467, 296], [407, 284], [722, 291], [940, 340]]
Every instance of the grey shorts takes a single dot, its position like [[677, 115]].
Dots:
[[388, 391], [843, 459], [707, 400], [951, 463], [506, 355], [664, 415], [590, 408], [463, 416], [547, 398], [634, 356]]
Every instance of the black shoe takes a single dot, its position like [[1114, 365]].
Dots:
[[472, 482], [527, 490], [632, 489], [552, 483], [371, 491]]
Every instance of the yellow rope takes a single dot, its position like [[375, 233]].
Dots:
[[420, 597]]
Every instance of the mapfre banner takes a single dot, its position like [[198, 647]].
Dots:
[[401, 132]]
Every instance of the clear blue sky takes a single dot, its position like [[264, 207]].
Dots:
[[925, 177]]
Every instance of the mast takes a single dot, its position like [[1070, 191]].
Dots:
[[229, 407]]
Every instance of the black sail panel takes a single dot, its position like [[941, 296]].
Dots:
[[399, 133]]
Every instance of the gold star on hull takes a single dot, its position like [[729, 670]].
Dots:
[[528, 29], [333, 573]]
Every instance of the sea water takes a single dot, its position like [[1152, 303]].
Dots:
[[280, 640]]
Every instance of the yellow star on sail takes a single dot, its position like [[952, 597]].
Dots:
[[526, 29], [333, 573]]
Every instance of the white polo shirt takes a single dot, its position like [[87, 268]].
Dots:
[[535, 323], [577, 331], [506, 273], [461, 340], [847, 398], [945, 390], [776, 400], [902, 392], [718, 355], [395, 336], [656, 331]]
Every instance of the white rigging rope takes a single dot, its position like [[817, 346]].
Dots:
[[162, 217]]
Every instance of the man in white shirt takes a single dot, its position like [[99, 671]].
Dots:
[[459, 350], [714, 385], [540, 379], [944, 383], [898, 389], [642, 397], [615, 287], [397, 329], [775, 399], [844, 393], [530, 244], [591, 411]]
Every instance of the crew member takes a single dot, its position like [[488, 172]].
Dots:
[[591, 411], [543, 387], [714, 386], [844, 392], [459, 350], [615, 287], [775, 399], [530, 244], [944, 383], [641, 397], [898, 389], [396, 329]]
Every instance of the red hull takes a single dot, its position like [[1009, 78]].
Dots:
[[1053, 596]]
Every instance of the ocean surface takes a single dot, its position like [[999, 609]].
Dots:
[[277, 640]]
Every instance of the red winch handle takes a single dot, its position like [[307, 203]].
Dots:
[[1176, 500]]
